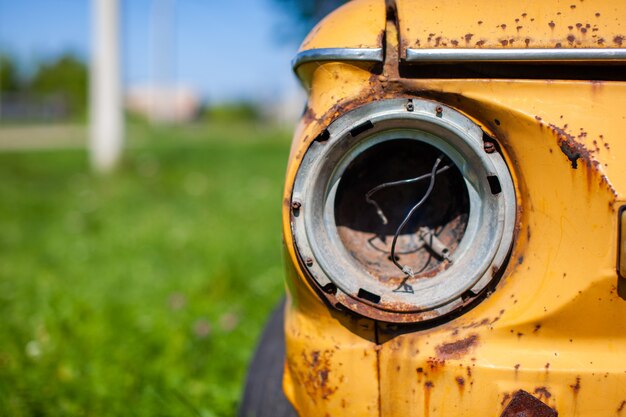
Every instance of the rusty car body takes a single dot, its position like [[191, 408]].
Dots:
[[540, 88]]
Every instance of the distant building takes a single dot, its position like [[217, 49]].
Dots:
[[164, 104]]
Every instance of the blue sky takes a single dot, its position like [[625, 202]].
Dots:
[[224, 49]]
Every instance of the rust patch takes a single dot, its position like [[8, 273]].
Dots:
[[542, 393], [457, 349], [315, 374], [524, 404], [569, 146], [309, 115], [460, 381], [428, 386], [621, 406], [576, 387], [484, 322], [434, 364]]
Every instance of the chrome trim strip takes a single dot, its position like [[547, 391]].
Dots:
[[337, 54], [528, 55]]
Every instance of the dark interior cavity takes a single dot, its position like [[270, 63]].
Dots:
[[363, 232]]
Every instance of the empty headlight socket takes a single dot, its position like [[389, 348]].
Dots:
[[406, 212]]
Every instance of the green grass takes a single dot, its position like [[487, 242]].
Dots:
[[142, 293]]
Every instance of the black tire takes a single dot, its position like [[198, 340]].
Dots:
[[263, 393]]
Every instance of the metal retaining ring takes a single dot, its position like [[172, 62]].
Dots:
[[403, 215]]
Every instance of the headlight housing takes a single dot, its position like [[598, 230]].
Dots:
[[360, 180]]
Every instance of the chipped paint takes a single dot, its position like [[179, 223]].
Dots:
[[497, 24], [458, 348]]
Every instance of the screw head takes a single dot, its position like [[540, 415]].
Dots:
[[308, 262], [439, 110], [489, 147], [296, 205], [410, 106]]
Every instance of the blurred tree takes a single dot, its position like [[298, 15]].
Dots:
[[65, 76], [9, 77], [303, 15], [232, 112]]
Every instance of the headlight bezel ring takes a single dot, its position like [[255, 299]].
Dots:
[[482, 250]]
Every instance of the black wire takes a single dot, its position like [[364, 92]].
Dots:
[[432, 175]]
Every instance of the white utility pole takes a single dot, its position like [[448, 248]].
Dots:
[[107, 118]]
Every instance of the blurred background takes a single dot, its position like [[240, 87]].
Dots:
[[143, 145]]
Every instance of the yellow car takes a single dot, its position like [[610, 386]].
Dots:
[[453, 215]]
